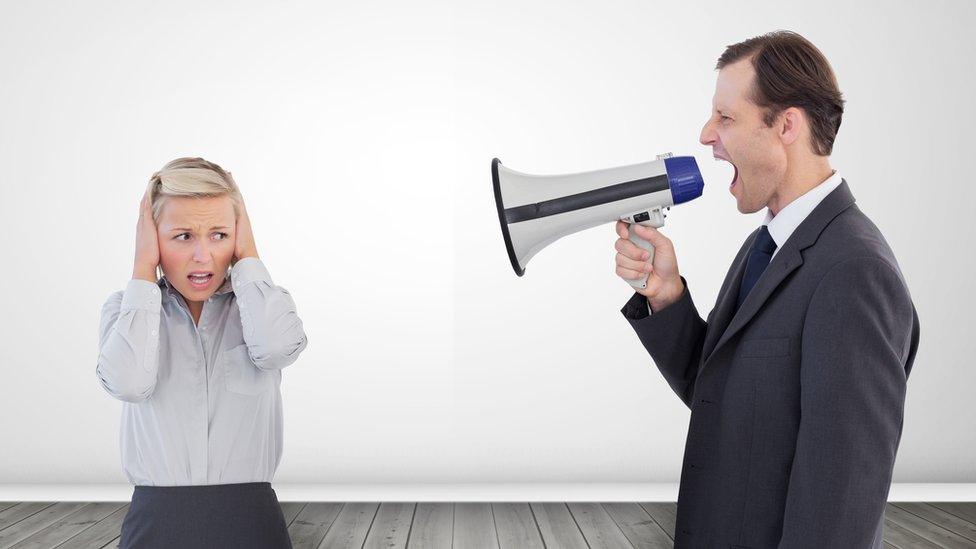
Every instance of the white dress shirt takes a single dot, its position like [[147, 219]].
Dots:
[[782, 225], [201, 402]]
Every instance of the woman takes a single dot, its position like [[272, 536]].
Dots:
[[196, 356]]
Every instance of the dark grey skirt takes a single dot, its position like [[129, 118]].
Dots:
[[244, 516]]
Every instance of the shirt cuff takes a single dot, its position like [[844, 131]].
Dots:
[[249, 269], [141, 294]]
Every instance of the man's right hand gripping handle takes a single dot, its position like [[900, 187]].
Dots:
[[664, 285]]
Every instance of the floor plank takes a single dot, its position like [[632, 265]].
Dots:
[[598, 528], [474, 526], [903, 538], [433, 526], [391, 527], [20, 511], [935, 515], [664, 513], [557, 526], [290, 510], [642, 531], [102, 533], [963, 510], [516, 526], [311, 524], [23, 529], [925, 529], [351, 526], [67, 527]]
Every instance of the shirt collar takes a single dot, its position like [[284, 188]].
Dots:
[[224, 288], [782, 225]]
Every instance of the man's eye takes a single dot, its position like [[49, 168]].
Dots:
[[726, 117]]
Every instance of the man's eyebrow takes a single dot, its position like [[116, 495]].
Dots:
[[189, 229]]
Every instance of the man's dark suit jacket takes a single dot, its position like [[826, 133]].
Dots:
[[797, 398]]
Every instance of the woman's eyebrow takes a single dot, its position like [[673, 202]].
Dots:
[[189, 229]]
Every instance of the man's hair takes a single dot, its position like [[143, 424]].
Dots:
[[792, 72]]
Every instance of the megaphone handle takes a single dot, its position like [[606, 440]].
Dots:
[[641, 283]]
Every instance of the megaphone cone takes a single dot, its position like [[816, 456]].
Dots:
[[536, 210]]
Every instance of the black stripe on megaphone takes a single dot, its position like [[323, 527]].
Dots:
[[587, 199]]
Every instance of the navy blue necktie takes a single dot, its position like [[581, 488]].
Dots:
[[762, 250]]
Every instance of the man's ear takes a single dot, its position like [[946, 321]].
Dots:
[[791, 122]]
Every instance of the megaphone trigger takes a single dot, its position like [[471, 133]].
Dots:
[[651, 218]]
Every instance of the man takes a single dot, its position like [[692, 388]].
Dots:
[[796, 380]]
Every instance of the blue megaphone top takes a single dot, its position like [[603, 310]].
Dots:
[[684, 178]]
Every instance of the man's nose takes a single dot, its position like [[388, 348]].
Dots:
[[708, 134]]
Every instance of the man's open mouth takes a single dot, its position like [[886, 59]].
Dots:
[[735, 173]]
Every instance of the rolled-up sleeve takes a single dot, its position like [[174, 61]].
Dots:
[[273, 332], [128, 356]]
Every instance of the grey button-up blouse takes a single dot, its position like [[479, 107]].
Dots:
[[202, 403]]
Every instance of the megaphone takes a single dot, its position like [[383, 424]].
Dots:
[[536, 210]]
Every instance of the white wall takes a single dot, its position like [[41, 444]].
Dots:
[[362, 135]]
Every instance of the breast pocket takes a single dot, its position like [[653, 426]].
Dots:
[[769, 347], [241, 376]]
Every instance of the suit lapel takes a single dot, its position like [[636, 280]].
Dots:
[[727, 296], [787, 260]]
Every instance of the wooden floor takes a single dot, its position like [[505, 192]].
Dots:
[[476, 525]]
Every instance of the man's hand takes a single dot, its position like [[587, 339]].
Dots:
[[244, 245], [664, 285]]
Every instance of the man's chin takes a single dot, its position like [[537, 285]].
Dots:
[[746, 208]]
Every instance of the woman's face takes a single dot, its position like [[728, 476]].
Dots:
[[196, 237]]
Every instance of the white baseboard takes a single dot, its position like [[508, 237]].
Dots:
[[457, 492]]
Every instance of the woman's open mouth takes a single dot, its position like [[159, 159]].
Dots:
[[200, 280]]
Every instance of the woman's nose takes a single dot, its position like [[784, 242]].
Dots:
[[201, 253]]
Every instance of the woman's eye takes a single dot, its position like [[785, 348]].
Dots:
[[725, 117], [177, 237], [223, 236]]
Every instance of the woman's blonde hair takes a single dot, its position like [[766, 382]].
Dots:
[[193, 177]]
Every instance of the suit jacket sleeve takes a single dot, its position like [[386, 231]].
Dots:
[[860, 329], [673, 336]]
